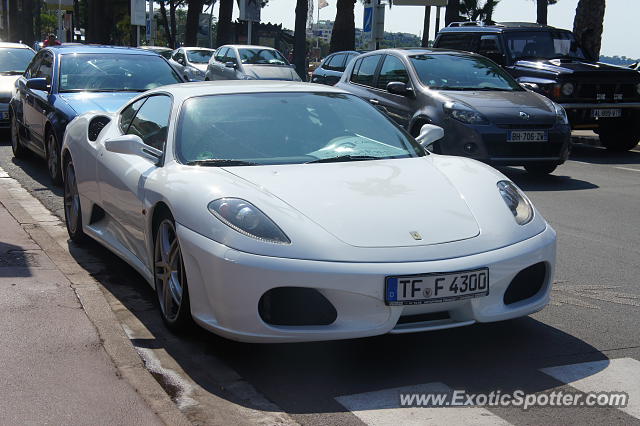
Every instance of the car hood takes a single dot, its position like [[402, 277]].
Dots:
[[7, 84], [505, 107], [271, 72], [577, 68], [82, 102], [372, 203]]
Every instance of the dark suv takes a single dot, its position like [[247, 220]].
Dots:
[[597, 96]]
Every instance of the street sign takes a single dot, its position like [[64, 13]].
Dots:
[[249, 10], [367, 25], [138, 12], [419, 2], [148, 30]]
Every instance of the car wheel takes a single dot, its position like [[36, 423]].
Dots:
[[19, 151], [170, 277], [540, 169], [619, 138], [72, 208], [53, 158]]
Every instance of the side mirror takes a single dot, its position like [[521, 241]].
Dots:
[[399, 88], [38, 84], [132, 145], [429, 133], [230, 64], [530, 86]]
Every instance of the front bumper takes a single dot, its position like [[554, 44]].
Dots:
[[225, 287], [580, 113], [488, 143]]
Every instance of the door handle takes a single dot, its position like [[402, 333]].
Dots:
[[374, 102]]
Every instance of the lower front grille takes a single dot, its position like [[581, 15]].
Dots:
[[296, 306]]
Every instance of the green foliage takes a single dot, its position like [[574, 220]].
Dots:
[[474, 11]]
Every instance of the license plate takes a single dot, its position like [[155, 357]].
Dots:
[[4, 115], [435, 288], [606, 113], [527, 136]]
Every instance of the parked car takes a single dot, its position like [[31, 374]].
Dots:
[[598, 96], [191, 62], [331, 68], [241, 62], [165, 52], [14, 59], [390, 241], [486, 114], [63, 82]]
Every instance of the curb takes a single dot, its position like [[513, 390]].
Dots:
[[48, 232]]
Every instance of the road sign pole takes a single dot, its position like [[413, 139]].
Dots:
[[249, 32]]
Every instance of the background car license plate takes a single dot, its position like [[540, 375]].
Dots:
[[527, 136], [4, 115], [606, 113], [433, 288]]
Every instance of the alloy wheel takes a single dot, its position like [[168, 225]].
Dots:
[[52, 155], [170, 278], [71, 200]]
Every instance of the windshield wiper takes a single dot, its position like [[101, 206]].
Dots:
[[220, 162], [343, 158]]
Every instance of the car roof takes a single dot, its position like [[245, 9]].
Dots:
[[497, 27], [248, 46], [7, 45], [197, 48], [410, 51], [95, 48], [155, 48]]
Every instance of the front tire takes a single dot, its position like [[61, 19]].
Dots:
[[72, 208], [53, 158], [19, 151], [170, 277], [619, 138], [541, 169]]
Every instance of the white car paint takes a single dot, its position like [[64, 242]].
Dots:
[[349, 225]]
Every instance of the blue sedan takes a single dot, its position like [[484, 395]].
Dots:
[[64, 82]]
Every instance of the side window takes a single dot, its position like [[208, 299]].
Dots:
[[354, 71], [392, 70], [455, 41], [32, 69], [327, 63], [366, 71], [152, 121], [337, 63], [46, 68], [231, 56], [220, 54], [349, 58], [127, 114]]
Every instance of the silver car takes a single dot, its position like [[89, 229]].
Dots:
[[242, 62], [485, 113], [14, 59], [191, 62]]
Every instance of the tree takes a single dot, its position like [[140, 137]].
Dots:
[[588, 25], [193, 21], [541, 10], [224, 34], [452, 14], [343, 36], [425, 26], [300, 38], [99, 21], [472, 10]]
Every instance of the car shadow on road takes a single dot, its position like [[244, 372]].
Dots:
[[599, 155], [553, 182], [36, 168], [304, 378]]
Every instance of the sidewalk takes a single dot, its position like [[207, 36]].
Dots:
[[64, 357]]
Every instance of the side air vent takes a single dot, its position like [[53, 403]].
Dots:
[[96, 125]]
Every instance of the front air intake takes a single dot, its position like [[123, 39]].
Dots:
[[526, 284], [296, 306]]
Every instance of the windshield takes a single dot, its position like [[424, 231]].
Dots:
[[199, 56], [114, 73], [262, 57], [457, 72], [543, 45], [15, 61], [287, 128]]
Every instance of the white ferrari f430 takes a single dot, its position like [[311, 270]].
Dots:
[[286, 212]]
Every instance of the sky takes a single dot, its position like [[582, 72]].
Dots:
[[620, 37]]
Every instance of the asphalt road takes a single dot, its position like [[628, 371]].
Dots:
[[592, 201]]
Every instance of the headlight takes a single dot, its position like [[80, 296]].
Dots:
[[516, 201], [567, 89], [464, 113], [247, 219], [561, 114]]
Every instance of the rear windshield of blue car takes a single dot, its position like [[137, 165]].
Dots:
[[114, 73], [14, 61]]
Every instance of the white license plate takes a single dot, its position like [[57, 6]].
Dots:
[[606, 113], [527, 136], [434, 288]]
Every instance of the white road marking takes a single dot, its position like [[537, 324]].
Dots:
[[627, 168], [580, 162], [614, 375], [382, 408]]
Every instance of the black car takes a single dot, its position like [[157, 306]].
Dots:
[[331, 68], [597, 96]]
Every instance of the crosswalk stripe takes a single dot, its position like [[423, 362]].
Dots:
[[614, 375], [382, 408]]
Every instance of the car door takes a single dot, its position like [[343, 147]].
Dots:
[[335, 69], [216, 66], [178, 61], [36, 116], [398, 106], [229, 73], [318, 75], [121, 177], [362, 80], [26, 97]]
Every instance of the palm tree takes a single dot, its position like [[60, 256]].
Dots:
[[587, 25], [452, 14], [472, 10], [224, 22], [425, 26], [300, 38], [343, 36], [193, 21], [541, 10]]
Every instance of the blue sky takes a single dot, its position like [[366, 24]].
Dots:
[[621, 24]]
